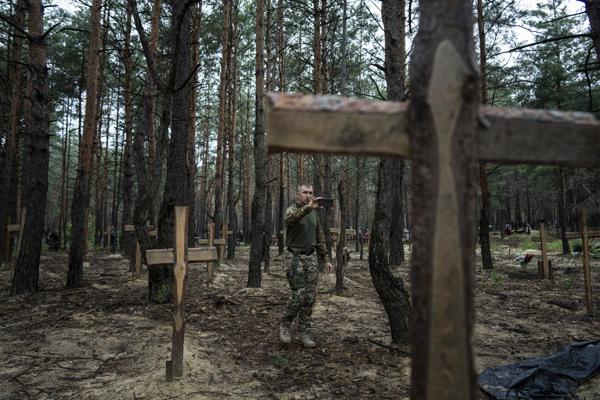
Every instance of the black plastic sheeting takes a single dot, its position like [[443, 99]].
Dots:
[[552, 377]]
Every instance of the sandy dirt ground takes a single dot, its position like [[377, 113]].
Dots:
[[105, 341]]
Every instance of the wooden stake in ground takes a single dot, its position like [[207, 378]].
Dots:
[[545, 263], [587, 276], [179, 273]]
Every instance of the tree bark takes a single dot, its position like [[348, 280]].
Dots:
[[127, 218], [222, 129], [9, 166], [36, 158], [340, 252], [394, 22], [592, 9], [391, 291], [256, 242], [81, 193], [179, 180], [484, 217], [562, 214]]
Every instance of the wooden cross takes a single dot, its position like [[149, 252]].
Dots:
[[137, 270], [14, 229], [179, 257], [220, 243], [444, 192]]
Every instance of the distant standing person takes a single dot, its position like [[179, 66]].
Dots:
[[304, 241]]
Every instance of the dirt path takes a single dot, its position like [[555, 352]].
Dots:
[[105, 341]]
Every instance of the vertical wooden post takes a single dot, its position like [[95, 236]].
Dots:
[[545, 264], [138, 258], [85, 230], [7, 249], [179, 273], [587, 276], [210, 264], [21, 226]]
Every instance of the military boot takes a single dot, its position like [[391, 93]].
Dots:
[[307, 340], [284, 334]]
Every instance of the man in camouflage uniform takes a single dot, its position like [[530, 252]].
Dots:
[[304, 241]]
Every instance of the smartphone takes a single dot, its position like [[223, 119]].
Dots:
[[326, 202]]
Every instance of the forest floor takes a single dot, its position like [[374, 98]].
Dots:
[[105, 341]]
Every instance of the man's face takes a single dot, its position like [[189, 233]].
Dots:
[[305, 194]]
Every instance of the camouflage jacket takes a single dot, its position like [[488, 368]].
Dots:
[[303, 229]]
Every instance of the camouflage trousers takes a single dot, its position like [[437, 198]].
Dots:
[[302, 273]]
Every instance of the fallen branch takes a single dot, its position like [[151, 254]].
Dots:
[[390, 347]]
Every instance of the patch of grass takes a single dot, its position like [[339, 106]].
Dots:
[[283, 360], [552, 245]]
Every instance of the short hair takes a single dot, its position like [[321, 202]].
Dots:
[[305, 185]]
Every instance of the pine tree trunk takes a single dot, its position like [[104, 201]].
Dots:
[[127, 187], [223, 86], [391, 291], [394, 21], [340, 252], [256, 241], [81, 193], [592, 9], [562, 217], [36, 158], [484, 217], [179, 179], [231, 133], [9, 166]]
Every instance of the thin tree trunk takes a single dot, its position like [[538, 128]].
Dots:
[[562, 218], [9, 167], [81, 194], [25, 273], [256, 245], [64, 174], [223, 86], [231, 134], [127, 174], [391, 291], [484, 217], [341, 258]]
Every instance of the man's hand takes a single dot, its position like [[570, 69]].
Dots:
[[314, 202], [328, 268]]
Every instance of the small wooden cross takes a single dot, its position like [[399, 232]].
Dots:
[[179, 257], [14, 229], [137, 270], [443, 314]]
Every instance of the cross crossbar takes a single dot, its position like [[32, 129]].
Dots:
[[13, 228], [195, 255], [334, 124]]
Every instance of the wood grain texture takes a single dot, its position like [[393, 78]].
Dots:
[[448, 365], [334, 124], [195, 255], [179, 272]]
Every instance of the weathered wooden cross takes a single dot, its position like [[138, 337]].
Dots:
[[14, 229], [137, 257], [445, 135], [179, 257]]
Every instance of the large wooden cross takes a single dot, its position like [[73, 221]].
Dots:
[[445, 135], [179, 257]]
